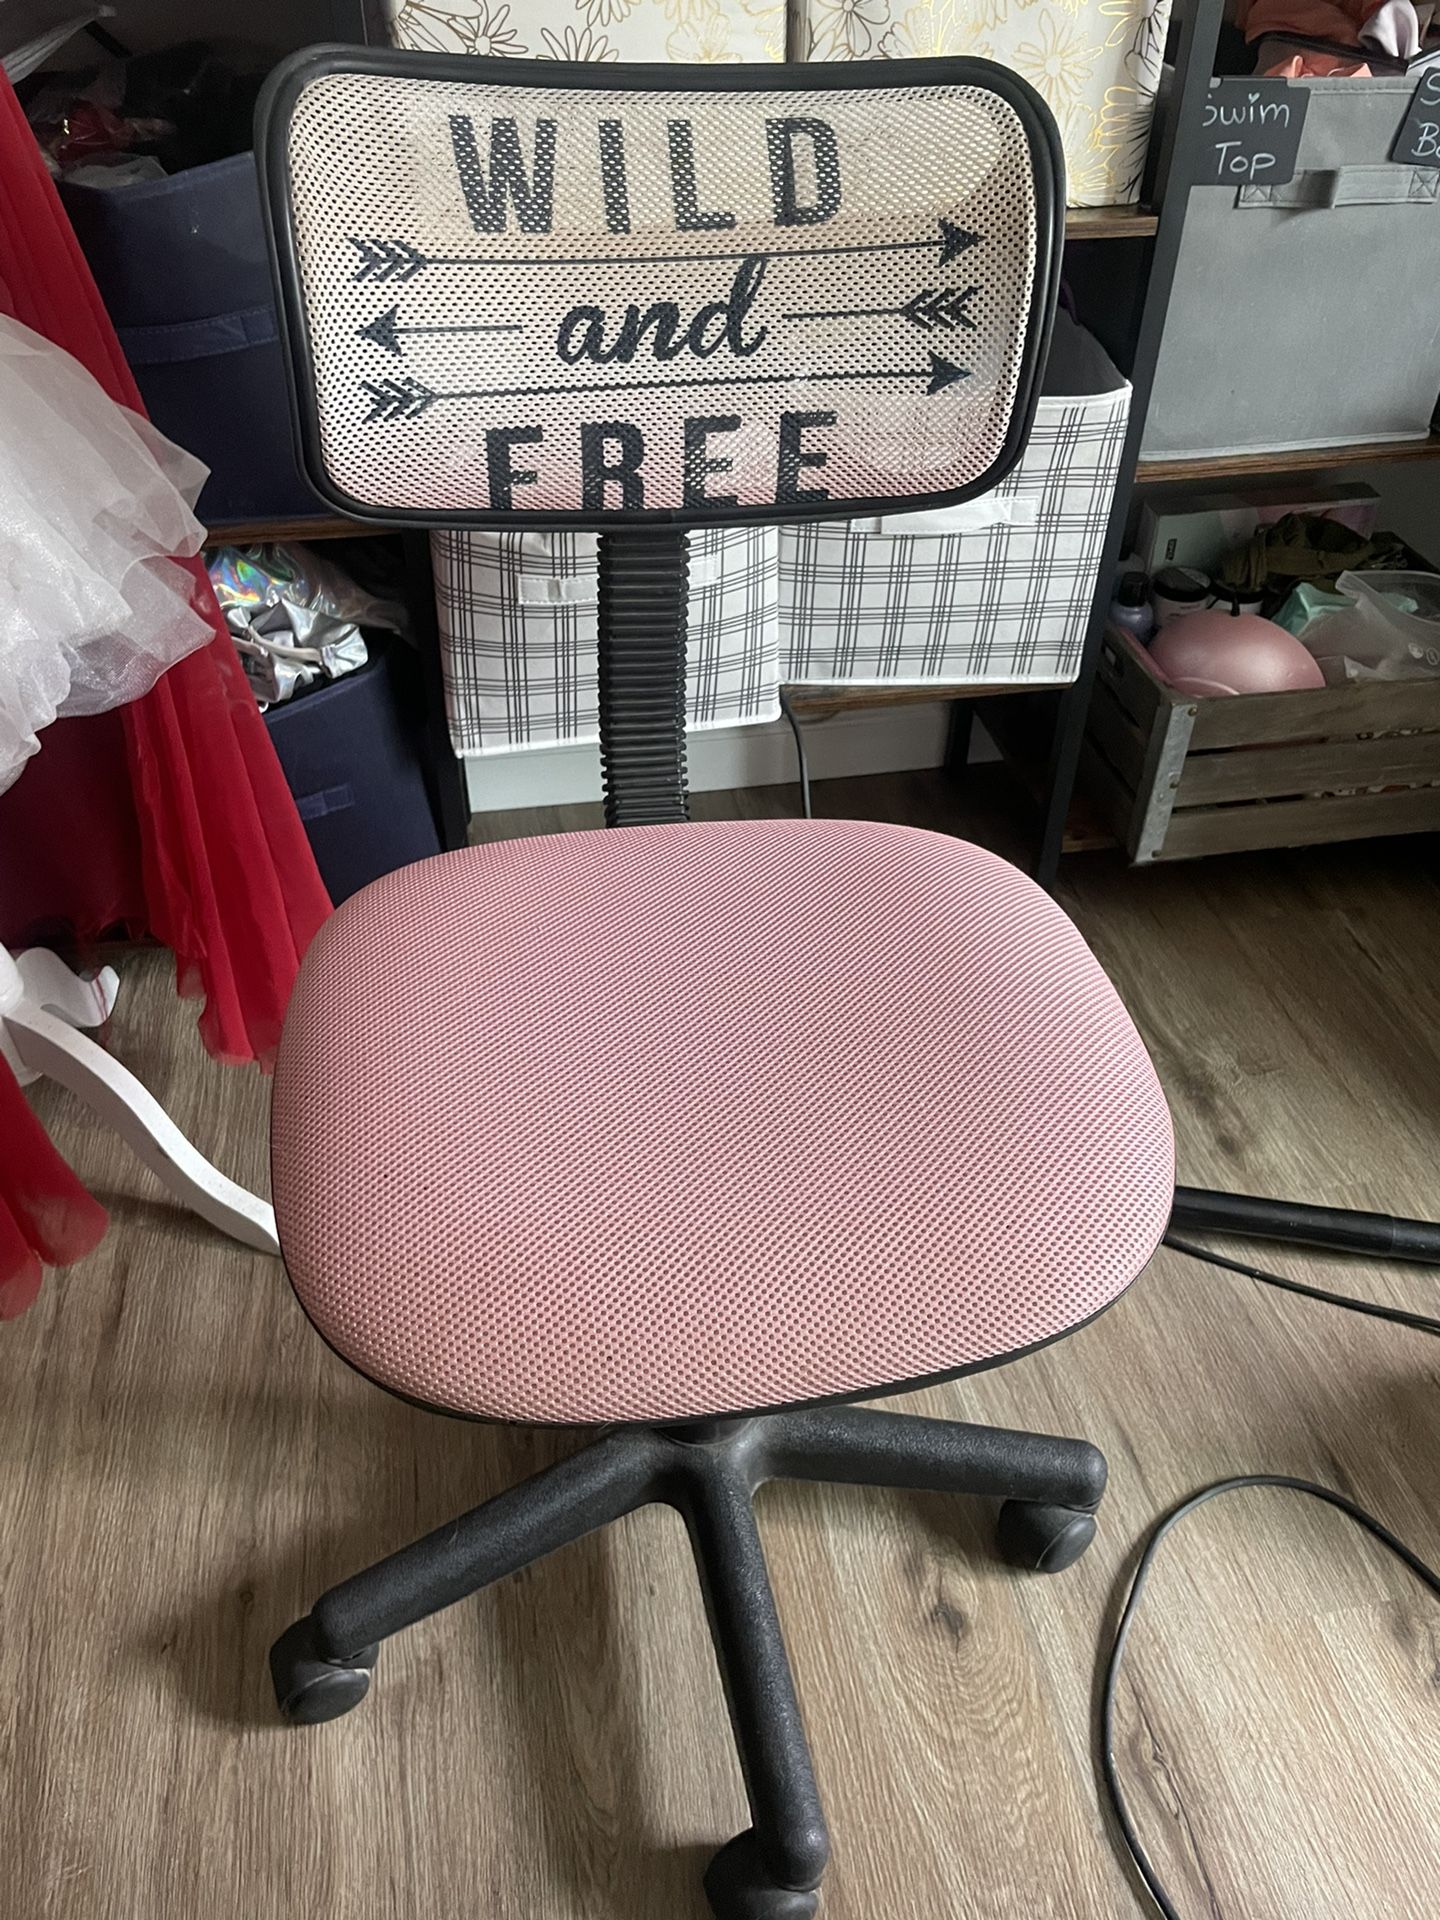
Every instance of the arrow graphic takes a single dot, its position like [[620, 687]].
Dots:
[[385, 329], [954, 241], [403, 399], [387, 259], [399, 260], [930, 308], [944, 307], [408, 398], [944, 373]]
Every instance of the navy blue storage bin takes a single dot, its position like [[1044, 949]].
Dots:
[[353, 754], [181, 266]]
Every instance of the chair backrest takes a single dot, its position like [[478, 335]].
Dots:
[[528, 293]]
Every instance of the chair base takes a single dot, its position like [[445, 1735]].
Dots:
[[1380, 1236], [709, 1472]]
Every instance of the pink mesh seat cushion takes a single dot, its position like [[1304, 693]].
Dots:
[[673, 1121]]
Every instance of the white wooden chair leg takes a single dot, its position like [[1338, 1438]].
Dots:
[[40, 1043], [48, 983]]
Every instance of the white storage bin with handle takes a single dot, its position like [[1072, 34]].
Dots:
[[517, 615], [996, 591]]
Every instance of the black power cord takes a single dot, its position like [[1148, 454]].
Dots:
[[1110, 1772], [1419, 1322], [801, 758], [1154, 1884], [1422, 1323]]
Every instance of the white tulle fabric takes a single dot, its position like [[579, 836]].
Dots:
[[93, 505]]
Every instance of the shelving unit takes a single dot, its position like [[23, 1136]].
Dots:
[[1125, 293], [820, 702], [1138, 331], [1121, 262]]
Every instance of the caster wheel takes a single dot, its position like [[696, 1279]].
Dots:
[[1043, 1539], [739, 1887], [309, 1689]]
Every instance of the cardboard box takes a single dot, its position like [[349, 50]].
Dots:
[[1180, 528], [1097, 62], [683, 30]]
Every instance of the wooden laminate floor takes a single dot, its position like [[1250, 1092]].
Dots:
[[183, 1466]]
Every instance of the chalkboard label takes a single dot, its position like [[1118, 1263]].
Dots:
[[1418, 142], [1250, 133]]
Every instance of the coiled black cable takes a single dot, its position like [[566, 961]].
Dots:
[[1109, 1768]]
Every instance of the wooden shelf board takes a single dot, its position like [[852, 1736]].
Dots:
[[820, 702], [1237, 466], [319, 526], [1109, 223]]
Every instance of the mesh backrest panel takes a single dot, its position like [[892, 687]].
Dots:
[[583, 298]]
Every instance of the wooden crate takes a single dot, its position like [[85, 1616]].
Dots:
[[1179, 777]]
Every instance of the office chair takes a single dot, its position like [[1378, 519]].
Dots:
[[696, 1133]]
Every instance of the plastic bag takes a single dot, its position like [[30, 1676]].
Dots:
[[93, 505], [295, 617], [1390, 630], [251, 579]]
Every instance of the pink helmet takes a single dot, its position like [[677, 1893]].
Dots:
[[1220, 652]]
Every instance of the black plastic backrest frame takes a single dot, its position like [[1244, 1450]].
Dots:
[[283, 89]]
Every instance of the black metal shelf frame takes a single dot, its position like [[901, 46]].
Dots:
[[1175, 153]]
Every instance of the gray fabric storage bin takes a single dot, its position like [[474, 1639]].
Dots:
[[1308, 314]]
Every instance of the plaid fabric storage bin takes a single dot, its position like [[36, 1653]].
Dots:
[[517, 616], [997, 590]]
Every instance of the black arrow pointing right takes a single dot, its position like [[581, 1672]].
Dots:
[[407, 398], [400, 260]]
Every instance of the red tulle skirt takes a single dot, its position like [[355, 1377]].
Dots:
[[167, 819]]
